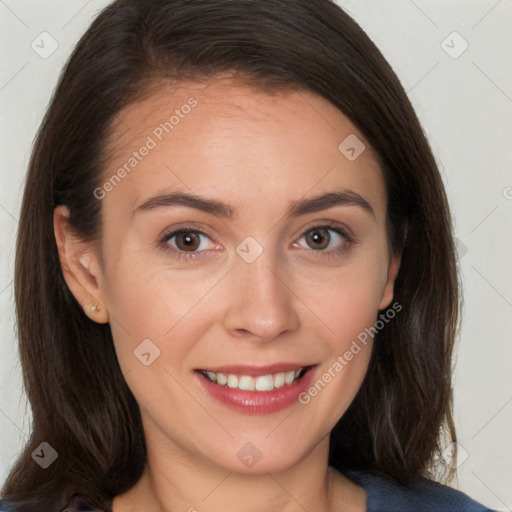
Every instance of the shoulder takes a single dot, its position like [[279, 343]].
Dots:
[[420, 496], [82, 503], [77, 503], [4, 507]]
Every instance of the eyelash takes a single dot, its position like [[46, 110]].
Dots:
[[187, 256]]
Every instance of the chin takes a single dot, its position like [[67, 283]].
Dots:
[[259, 455]]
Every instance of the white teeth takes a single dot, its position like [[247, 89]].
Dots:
[[249, 383], [289, 377], [221, 379], [232, 381], [265, 383], [279, 380], [246, 383], [212, 376]]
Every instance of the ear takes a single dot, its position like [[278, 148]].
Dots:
[[388, 291], [393, 268], [81, 268]]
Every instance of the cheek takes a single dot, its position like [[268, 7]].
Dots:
[[346, 299], [348, 311], [346, 302], [348, 307], [148, 301]]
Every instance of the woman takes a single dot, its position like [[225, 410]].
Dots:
[[235, 279]]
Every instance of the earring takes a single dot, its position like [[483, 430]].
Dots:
[[95, 308]]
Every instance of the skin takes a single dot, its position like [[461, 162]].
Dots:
[[257, 152]]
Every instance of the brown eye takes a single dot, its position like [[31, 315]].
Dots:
[[318, 238], [187, 241], [326, 240], [188, 244]]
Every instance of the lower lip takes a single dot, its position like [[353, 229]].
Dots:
[[258, 402]]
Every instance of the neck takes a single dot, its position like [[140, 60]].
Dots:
[[173, 481]]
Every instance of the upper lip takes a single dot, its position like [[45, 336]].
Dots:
[[254, 370]]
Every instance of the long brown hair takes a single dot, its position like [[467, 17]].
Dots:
[[80, 401]]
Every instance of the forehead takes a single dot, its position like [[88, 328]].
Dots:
[[228, 138]]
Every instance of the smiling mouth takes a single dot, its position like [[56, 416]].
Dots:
[[268, 382]]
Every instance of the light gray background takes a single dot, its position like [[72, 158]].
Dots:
[[465, 106]]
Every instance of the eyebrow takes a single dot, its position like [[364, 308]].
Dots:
[[220, 209]]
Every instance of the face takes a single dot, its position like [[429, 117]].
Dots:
[[242, 254]]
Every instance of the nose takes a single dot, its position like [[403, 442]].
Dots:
[[261, 305]]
